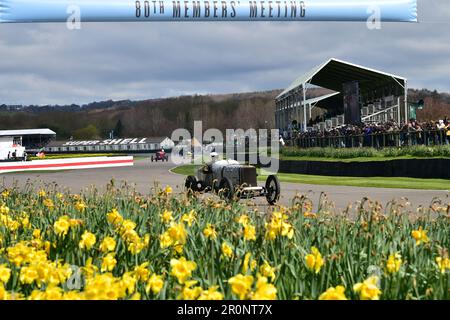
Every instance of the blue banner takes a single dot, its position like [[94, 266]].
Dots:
[[21, 11]]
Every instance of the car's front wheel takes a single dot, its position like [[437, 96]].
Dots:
[[226, 189], [272, 189], [191, 183]]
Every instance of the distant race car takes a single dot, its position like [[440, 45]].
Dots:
[[160, 155], [231, 180]]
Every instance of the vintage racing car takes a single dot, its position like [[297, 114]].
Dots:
[[160, 155], [231, 179]]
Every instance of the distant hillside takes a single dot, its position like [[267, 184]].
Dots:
[[158, 117]]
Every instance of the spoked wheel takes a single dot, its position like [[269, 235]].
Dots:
[[272, 189], [191, 183], [226, 189]]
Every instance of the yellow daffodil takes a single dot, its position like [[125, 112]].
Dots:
[[5, 273], [166, 216], [108, 262], [61, 226], [36, 233], [420, 236], [210, 232], [368, 290], [243, 219], [104, 287], [227, 250], [28, 275], [142, 272], [87, 240], [155, 284], [108, 244], [248, 263], [279, 226], [182, 269], [175, 236], [80, 206], [394, 263], [189, 292], [314, 260], [128, 225], [168, 190], [249, 232], [114, 217], [189, 218], [267, 270], [211, 294], [443, 264], [49, 204], [241, 285], [264, 290], [337, 293]]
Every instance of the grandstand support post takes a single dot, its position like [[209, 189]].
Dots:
[[297, 108], [304, 107], [406, 102], [276, 114], [309, 114], [398, 111]]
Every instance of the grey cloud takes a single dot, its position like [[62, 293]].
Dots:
[[46, 63]]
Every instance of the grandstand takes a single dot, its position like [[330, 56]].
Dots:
[[358, 95], [31, 139]]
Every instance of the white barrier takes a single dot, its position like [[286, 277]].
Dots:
[[67, 164]]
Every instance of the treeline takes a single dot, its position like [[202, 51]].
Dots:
[[148, 118], [160, 117]]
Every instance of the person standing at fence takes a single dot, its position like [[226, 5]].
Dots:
[[447, 128]]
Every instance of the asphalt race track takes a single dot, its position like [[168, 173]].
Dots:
[[144, 174]]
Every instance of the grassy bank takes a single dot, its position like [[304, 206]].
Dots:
[[376, 182]]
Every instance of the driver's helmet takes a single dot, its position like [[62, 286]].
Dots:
[[214, 156]]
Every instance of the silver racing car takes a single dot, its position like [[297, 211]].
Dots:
[[230, 179]]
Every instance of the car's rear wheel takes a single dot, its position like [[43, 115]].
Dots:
[[226, 189], [272, 189], [191, 183]]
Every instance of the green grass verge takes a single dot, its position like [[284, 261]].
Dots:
[[375, 182], [187, 170]]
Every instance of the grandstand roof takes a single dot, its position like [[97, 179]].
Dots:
[[334, 73], [27, 132]]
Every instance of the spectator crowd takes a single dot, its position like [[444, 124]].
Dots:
[[383, 134]]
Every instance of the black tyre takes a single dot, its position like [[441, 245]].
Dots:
[[191, 183], [226, 189], [272, 189]]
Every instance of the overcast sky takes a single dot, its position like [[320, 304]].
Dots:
[[48, 64]]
